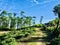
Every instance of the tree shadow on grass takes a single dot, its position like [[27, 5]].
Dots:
[[35, 39]]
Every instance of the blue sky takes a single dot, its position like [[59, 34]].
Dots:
[[36, 8]]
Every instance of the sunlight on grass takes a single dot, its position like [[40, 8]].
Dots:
[[27, 43]]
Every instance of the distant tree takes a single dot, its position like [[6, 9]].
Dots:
[[29, 20], [10, 20], [22, 18], [33, 19], [41, 19], [3, 18], [14, 20], [19, 22], [22, 14]]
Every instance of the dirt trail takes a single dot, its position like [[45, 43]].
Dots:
[[2, 32], [37, 39], [42, 35]]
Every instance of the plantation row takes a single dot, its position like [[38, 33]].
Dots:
[[12, 21], [11, 37]]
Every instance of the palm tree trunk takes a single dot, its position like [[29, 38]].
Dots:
[[16, 24], [9, 24], [59, 15]]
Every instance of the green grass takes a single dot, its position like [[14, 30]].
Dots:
[[27, 43], [1, 34], [32, 43]]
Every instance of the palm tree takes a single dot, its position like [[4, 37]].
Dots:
[[0, 19], [23, 18], [3, 18], [10, 20], [28, 21], [19, 22], [57, 12], [14, 20], [33, 19], [41, 19], [22, 14]]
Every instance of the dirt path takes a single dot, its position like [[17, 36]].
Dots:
[[38, 38], [2, 32], [41, 41]]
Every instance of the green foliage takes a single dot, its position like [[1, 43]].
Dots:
[[57, 10], [52, 23], [41, 19], [8, 41], [4, 29], [11, 37], [55, 41], [51, 29], [38, 25], [11, 21], [18, 34]]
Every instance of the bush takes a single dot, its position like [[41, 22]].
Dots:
[[11, 37], [8, 41], [4, 29], [55, 41], [38, 25], [16, 34]]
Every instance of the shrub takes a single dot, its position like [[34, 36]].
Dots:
[[16, 34], [38, 25], [8, 41], [55, 41], [9, 38], [4, 29]]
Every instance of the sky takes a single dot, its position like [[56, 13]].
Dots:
[[36, 8]]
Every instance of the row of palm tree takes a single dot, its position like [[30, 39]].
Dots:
[[11, 20]]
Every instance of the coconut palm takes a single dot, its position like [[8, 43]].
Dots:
[[28, 21], [22, 14], [19, 22], [14, 20], [33, 19], [3, 18], [10, 20], [41, 19], [23, 18], [57, 12]]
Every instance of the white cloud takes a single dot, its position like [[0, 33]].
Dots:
[[44, 2], [35, 1]]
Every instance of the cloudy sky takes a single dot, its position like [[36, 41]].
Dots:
[[36, 8]]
